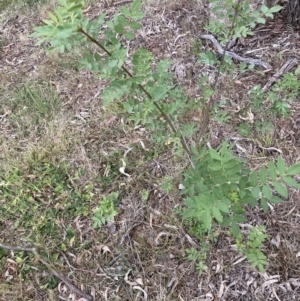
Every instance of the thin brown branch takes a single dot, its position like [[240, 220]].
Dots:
[[66, 280], [63, 278], [208, 108], [285, 68], [164, 115], [234, 55], [11, 248]]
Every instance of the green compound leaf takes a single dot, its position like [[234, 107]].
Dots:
[[115, 91]]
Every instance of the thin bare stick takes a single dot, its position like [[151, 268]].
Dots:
[[234, 55], [122, 2], [64, 279], [207, 110], [11, 248], [285, 68]]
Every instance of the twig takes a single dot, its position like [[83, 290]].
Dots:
[[251, 140], [271, 149], [234, 55], [7, 247], [285, 68], [64, 279], [122, 2], [207, 110], [180, 36]]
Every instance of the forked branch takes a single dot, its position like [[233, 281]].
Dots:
[[63, 278]]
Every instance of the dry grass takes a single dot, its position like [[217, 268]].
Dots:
[[143, 253]]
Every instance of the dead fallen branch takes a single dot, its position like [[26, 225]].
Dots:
[[257, 144], [64, 279], [233, 55], [285, 68]]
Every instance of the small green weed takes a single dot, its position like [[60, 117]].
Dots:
[[167, 184], [199, 257], [251, 248], [106, 210], [144, 195]]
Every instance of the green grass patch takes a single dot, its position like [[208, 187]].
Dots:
[[36, 199], [35, 103]]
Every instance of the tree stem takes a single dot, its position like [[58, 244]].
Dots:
[[207, 110], [142, 88]]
